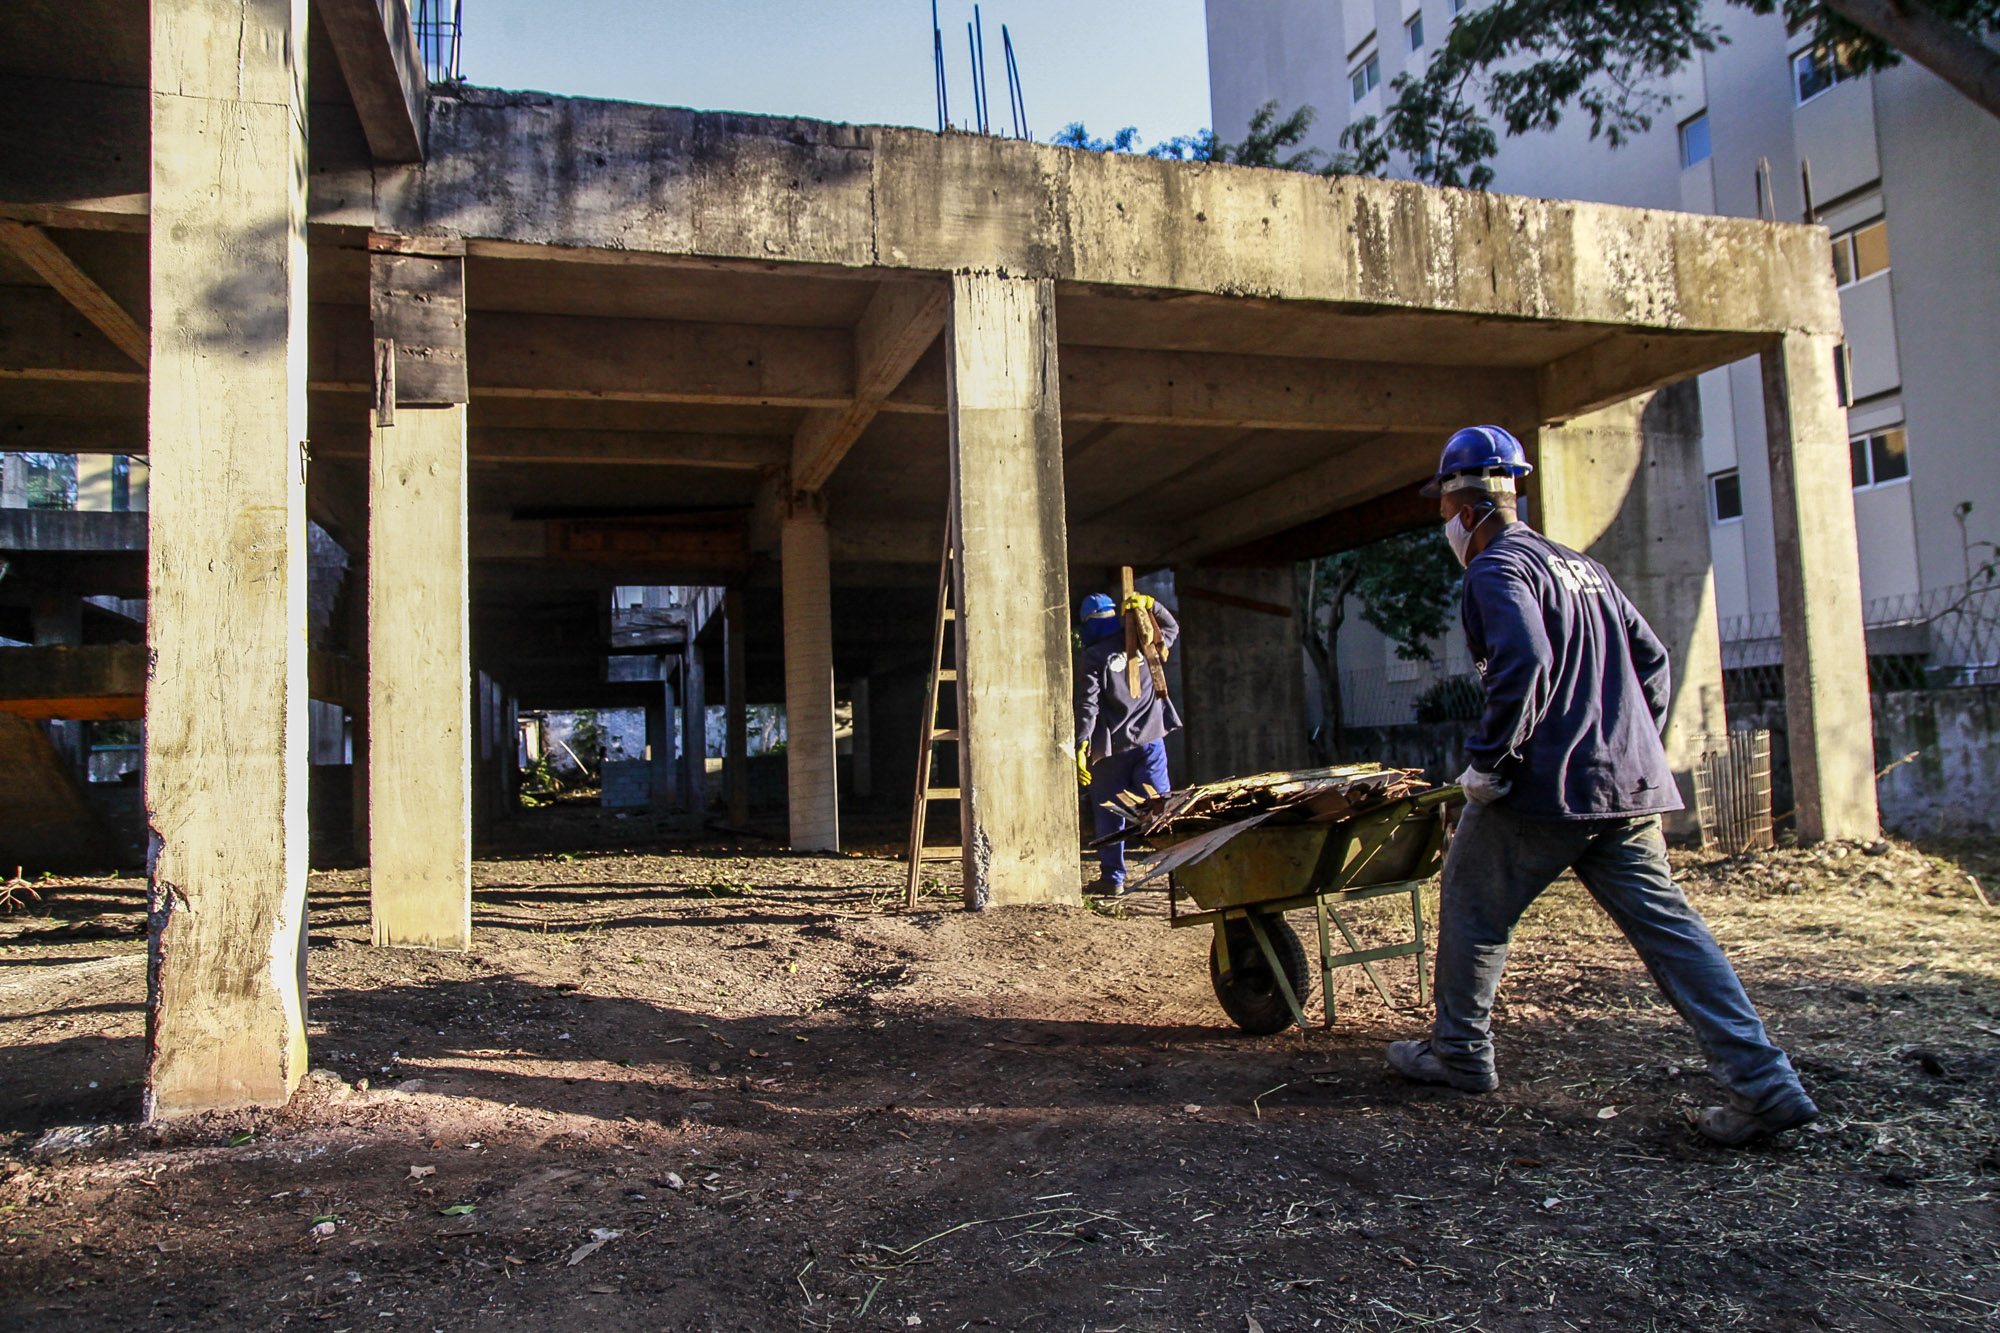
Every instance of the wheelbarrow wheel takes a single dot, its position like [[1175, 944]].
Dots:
[[1249, 993]]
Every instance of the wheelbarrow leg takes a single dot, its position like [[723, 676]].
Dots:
[[1325, 961], [1423, 969], [1277, 968], [1369, 968]]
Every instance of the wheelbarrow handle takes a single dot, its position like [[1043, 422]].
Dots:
[[1440, 796]]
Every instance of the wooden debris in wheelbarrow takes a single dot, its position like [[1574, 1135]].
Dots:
[[1305, 796]]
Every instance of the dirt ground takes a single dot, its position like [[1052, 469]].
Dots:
[[710, 1087]]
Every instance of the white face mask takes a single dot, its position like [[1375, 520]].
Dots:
[[1460, 536]]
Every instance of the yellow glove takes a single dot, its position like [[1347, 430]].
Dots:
[[1083, 765], [1138, 601]]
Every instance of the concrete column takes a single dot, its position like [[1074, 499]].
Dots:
[[736, 758], [694, 732], [1017, 775], [1242, 674], [94, 482], [419, 682], [354, 615], [1819, 593], [811, 779], [1626, 486], [660, 749], [226, 620], [861, 766], [420, 677]]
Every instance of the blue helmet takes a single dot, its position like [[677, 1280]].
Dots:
[[1486, 451], [1100, 616]]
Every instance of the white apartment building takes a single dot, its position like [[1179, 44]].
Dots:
[[1905, 175]]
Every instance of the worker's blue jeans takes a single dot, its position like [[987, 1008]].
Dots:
[[1124, 771], [1500, 862]]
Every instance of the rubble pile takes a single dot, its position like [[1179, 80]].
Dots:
[[1306, 796]]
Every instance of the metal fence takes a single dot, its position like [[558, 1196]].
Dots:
[[1928, 640], [440, 23], [1732, 791], [1443, 690], [1920, 641]]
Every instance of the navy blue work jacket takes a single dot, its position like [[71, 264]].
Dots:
[[1109, 718], [1577, 684]]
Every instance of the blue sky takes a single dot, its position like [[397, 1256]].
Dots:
[[1105, 63]]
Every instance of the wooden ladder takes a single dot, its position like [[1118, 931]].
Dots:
[[931, 734]]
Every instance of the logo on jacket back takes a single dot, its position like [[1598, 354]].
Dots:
[[1575, 575]]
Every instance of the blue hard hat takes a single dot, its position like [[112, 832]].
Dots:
[[1098, 607], [1486, 450]]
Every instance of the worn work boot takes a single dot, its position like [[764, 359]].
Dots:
[[1733, 1128], [1104, 888], [1414, 1060]]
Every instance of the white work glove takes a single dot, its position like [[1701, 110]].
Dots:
[[1483, 788]]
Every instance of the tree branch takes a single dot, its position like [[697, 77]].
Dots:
[[1953, 53]]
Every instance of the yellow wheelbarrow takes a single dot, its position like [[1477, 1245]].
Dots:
[[1245, 876]]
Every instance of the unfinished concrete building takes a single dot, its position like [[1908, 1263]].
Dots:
[[513, 350]]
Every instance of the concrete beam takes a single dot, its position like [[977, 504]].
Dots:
[[1283, 392], [32, 246], [726, 187], [1362, 472], [45, 337], [97, 682], [72, 530], [899, 326], [376, 45], [1615, 369], [811, 775], [42, 432], [660, 361], [916, 542], [1827, 712], [419, 626], [226, 625], [609, 448], [1018, 782], [1387, 515]]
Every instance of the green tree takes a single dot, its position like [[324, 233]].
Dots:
[[1269, 141], [1405, 586], [1514, 66]]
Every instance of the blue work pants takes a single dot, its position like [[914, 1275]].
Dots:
[[1500, 862], [1124, 771]]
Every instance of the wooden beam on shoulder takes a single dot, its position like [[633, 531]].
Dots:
[[376, 45], [899, 326], [32, 246]]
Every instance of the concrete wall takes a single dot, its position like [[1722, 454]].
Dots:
[[1952, 788]]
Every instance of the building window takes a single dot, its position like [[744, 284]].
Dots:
[[1818, 68], [121, 483], [1415, 29], [1458, 7], [1861, 253], [1725, 494], [1366, 76], [1694, 140], [1878, 459], [1843, 376]]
